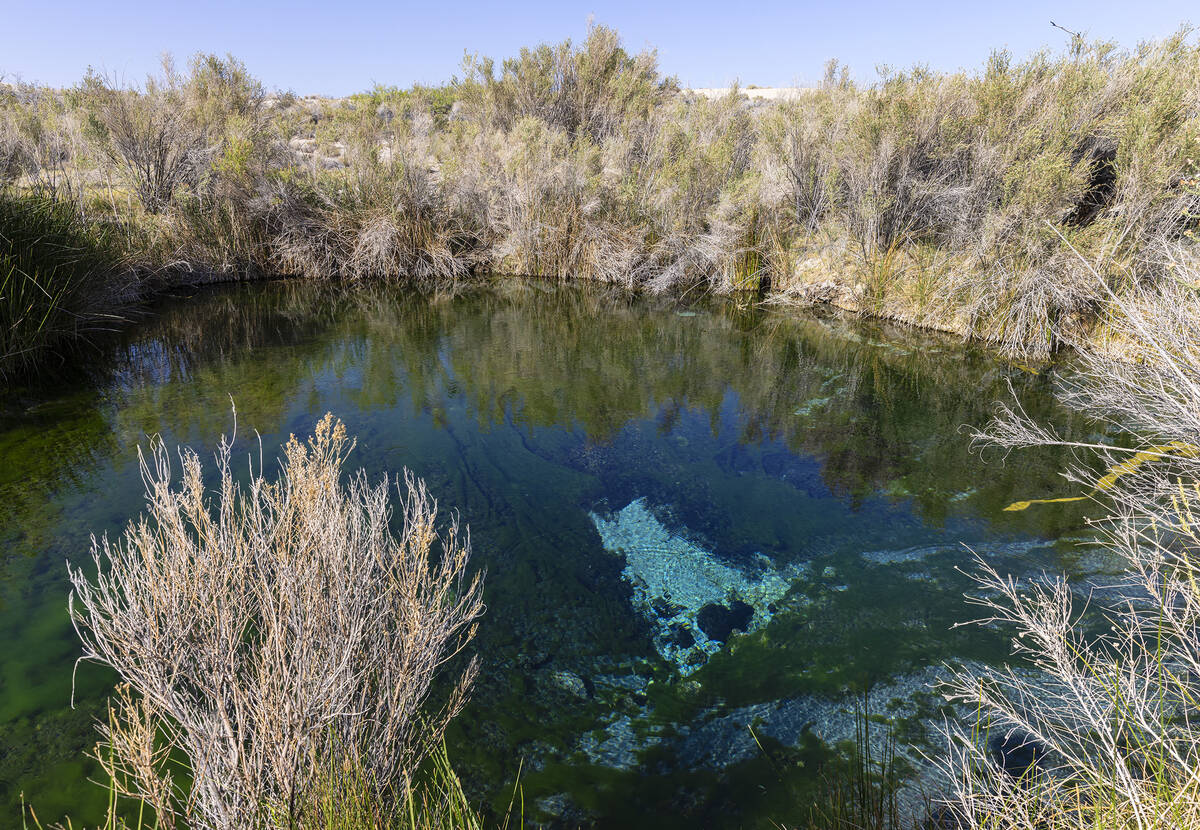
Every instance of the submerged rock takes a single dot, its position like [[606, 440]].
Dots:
[[676, 581], [718, 622], [1016, 752], [618, 746], [571, 682], [562, 807], [665, 609], [625, 683]]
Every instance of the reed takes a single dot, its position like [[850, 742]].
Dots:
[[59, 281]]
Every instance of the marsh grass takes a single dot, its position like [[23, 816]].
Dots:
[[866, 795], [344, 800], [59, 279]]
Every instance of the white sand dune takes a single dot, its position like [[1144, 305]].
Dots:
[[778, 93]]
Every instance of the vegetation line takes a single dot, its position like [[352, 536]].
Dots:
[[952, 201]]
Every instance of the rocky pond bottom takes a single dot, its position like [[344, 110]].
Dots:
[[715, 537], [692, 599]]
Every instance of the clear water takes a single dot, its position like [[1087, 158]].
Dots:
[[719, 449]]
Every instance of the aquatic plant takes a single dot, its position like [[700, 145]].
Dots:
[[865, 795], [282, 640]]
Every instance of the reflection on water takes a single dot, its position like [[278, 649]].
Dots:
[[692, 521]]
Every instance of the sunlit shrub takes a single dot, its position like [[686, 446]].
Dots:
[[278, 636]]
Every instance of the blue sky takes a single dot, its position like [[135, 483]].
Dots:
[[336, 47]]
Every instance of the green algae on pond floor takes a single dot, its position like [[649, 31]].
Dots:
[[808, 467]]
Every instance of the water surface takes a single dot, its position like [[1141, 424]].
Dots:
[[707, 529]]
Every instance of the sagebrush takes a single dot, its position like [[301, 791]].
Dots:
[[279, 637]]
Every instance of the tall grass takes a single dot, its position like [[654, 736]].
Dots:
[[865, 795], [347, 802], [59, 279]]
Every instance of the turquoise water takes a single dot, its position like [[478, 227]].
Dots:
[[639, 477]]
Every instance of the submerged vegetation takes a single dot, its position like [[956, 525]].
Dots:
[[945, 200]]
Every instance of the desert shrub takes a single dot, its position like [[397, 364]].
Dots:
[[1006, 170], [798, 138], [224, 102], [205, 132], [41, 141], [696, 169], [387, 216], [200, 152], [217, 90], [594, 88], [146, 136], [279, 637], [1110, 703], [388, 103], [545, 206]]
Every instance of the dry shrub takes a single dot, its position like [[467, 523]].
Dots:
[[596, 88], [275, 636], [544, 202], [41, 142], [146, 136], [1111, 696], [390, 214]]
